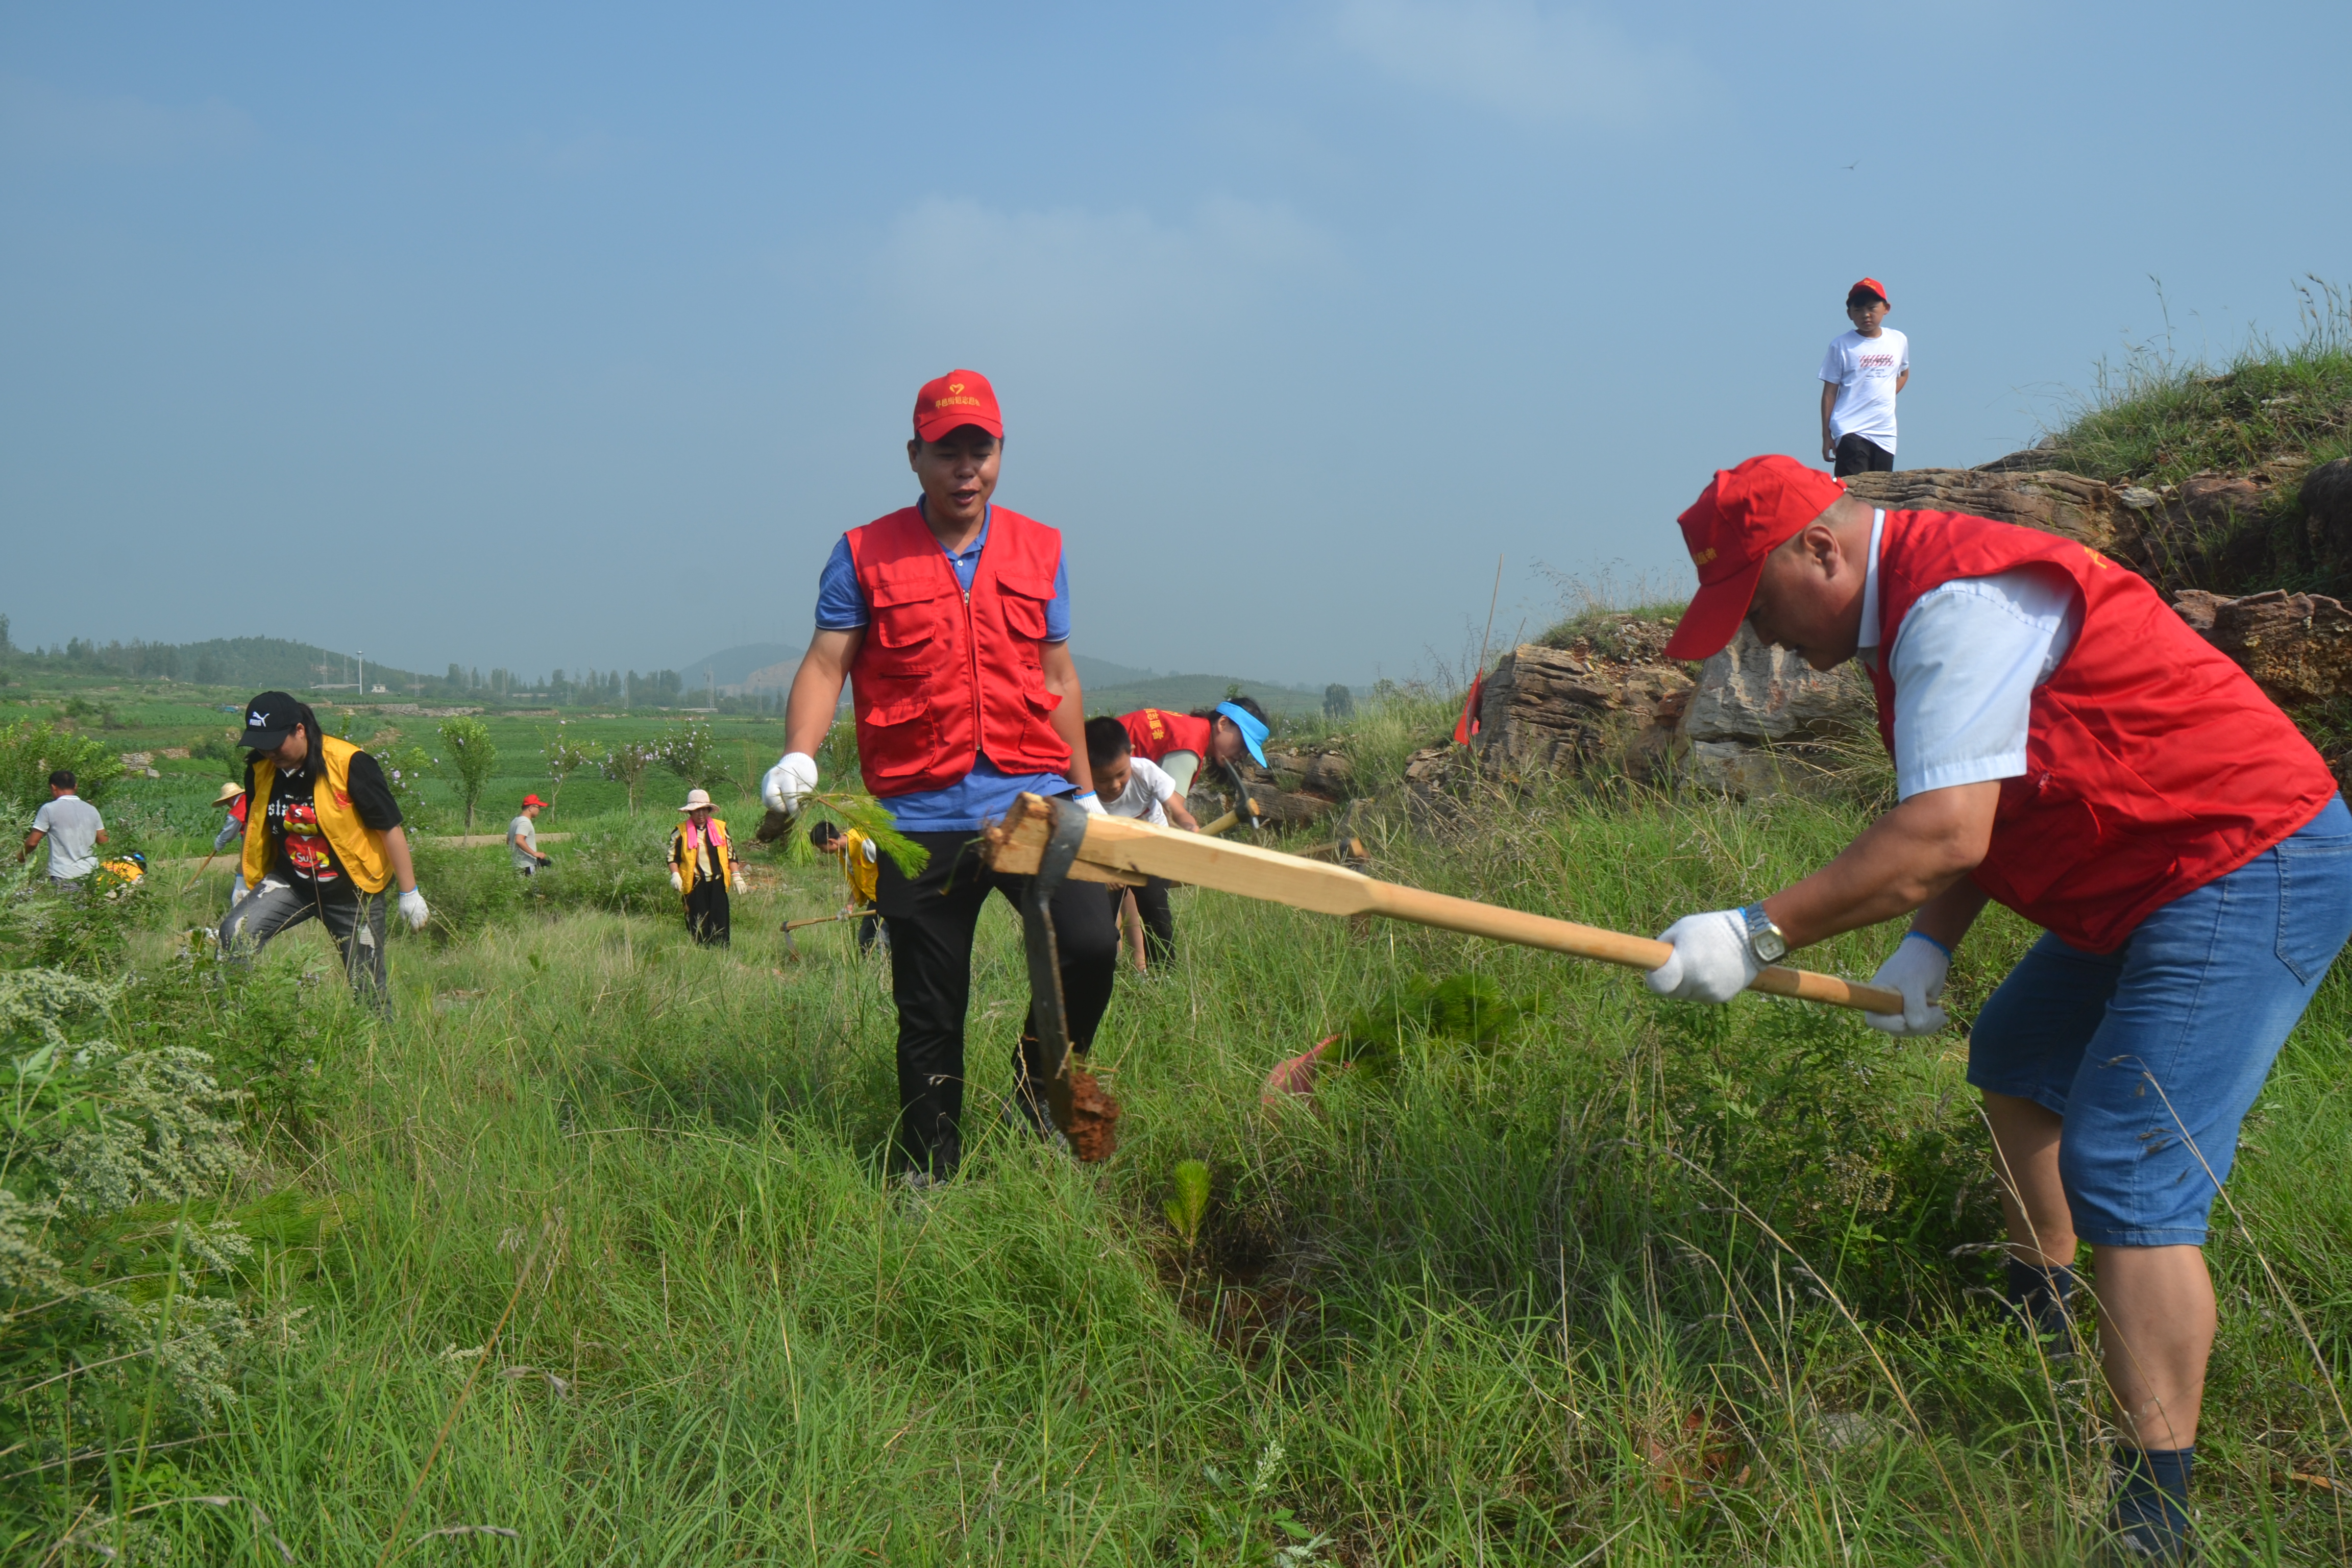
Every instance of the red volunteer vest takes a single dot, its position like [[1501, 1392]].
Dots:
[[2153, 765], [1153, 734], [944, 675]]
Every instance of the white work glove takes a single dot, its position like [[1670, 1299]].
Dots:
[[1917, 968], [1092, 803], [788, 782], [677, 883], [1711, 960], [740, 885], [413, 908], [238, 890]]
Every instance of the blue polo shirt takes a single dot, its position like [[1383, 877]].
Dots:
[[986, 793]]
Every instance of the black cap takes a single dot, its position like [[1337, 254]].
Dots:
[[269, 719]]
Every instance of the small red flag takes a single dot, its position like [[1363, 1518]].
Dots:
[[1467, 725]]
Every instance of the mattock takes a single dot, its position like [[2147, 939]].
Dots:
[[1123, 851]]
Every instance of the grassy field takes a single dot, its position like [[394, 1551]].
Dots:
[[589, 1254]]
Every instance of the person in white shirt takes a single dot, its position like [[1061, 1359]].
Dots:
[[523, 838], [1860, 375], [73, 828], [1135, 786]]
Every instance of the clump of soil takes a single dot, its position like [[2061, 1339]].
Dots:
[[1088, 1117]]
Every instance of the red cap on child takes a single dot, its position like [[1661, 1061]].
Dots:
[[1876, 287], [959, 397], [1743, 515]]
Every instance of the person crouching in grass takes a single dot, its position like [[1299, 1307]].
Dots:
[[323, 842], [700, 869], [1181, 743], [1135, 786], [860, 870]]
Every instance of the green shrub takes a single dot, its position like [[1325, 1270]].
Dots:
[[30, 750]]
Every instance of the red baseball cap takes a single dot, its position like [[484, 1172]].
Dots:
[[1874, 286], [534, 800], [959, 397], [1743, 515]]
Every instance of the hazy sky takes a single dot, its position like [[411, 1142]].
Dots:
[[570, 335]]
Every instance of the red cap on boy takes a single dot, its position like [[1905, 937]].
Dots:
[[959, 397], [1743, 515]]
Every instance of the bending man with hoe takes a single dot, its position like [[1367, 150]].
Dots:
[[951, 620], [323, 842], [2063, 743]]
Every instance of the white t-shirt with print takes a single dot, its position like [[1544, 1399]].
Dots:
[[1967, 660], [1864, 371], [1146, 786]]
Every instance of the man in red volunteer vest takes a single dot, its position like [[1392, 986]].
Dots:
[[2065, 745], [950, 619]]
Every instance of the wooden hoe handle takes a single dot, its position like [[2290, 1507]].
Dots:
[[1124, 851]]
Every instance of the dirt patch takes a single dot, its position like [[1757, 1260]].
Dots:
[[1090, 1118]]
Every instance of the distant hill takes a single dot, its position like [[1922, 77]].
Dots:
[[753, 666], [1110, 688], [253, 663]]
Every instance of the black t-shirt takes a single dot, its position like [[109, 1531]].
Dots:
[[303, 855]]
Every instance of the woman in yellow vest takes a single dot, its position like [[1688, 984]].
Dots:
[[701, 868], [323, 840]]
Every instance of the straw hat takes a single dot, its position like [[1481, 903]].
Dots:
[[697, 800], [229, 792]]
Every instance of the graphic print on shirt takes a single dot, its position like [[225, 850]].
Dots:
[[294, 822]]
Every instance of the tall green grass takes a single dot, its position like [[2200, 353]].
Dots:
[[614, 1267], [2158, 416]]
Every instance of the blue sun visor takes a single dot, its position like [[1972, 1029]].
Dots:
[[1254, 733]]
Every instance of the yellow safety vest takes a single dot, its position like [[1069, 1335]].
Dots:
[[688, 865], [358, 847], [862, 872]]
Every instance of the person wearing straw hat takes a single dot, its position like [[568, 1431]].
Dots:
[[2064, 745], [232, 797], [700, 869]]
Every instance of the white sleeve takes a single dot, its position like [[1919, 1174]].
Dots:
[[1966, 662], [1833, 365], [1163, 786], [41, 818]]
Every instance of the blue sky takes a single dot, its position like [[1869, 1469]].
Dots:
[[541, 335]]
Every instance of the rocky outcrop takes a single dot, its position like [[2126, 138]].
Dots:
[[1768, 694], [2326, 497], [1549, 710], [1761, 715], [2297, 646], [2080, 509]]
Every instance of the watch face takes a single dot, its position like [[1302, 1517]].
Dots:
[[1770, 946]]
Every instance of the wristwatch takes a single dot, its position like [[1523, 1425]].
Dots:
[[1765, 940]]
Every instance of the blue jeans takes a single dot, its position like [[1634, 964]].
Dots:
[[2153, 1053]]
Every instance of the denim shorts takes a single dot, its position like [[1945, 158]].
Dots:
[[2153, 1053]]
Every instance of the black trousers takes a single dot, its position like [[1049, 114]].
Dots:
[[706, 915], [931, 921], [1158, 920], [1861, 455]]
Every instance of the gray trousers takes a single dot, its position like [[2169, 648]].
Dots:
[[355, 920]]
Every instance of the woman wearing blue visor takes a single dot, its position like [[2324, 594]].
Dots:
[[1179, 743]]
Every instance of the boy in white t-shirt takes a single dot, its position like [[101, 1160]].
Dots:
[[1860, 375], [1135, 786]]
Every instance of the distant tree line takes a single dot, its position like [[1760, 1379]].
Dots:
[[257, 662]]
